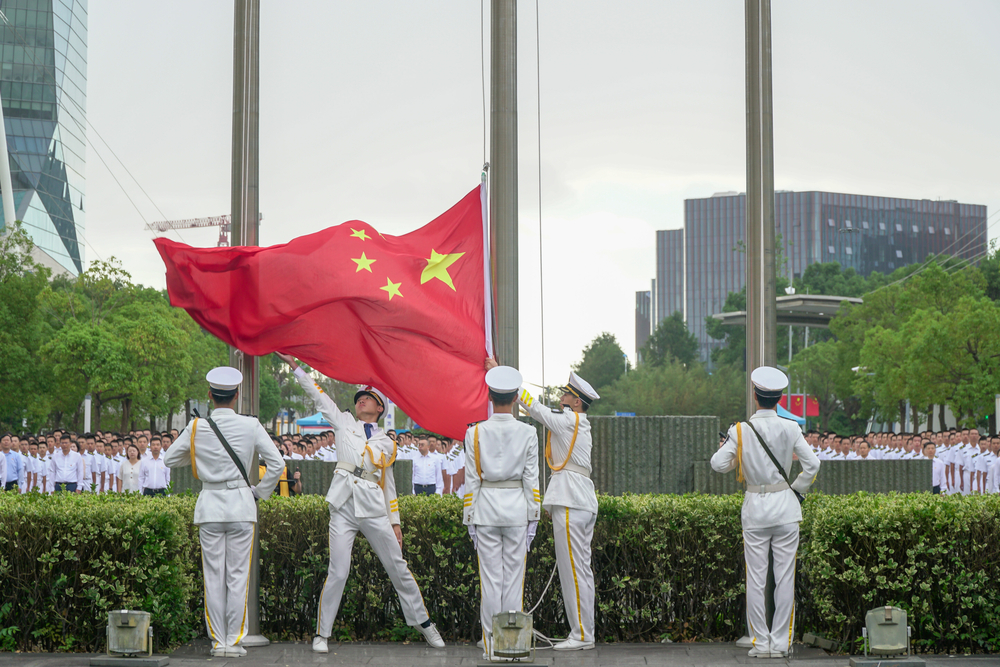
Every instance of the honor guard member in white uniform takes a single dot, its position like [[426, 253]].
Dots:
[[771, 511], [362, 497], [226, 513], [571, 501], [502, 502]]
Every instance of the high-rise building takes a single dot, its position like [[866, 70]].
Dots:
[[43, 85], [669, 294], [866, 233], [643, 322]]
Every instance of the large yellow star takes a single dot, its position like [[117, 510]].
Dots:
[[392, 288], [363, 263], [360, 233], [437, 267]]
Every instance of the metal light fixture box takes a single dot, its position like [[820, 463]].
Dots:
[[129, 633], [513, 636], [886, 632]]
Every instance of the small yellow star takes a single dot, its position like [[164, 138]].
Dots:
[[363, 263], [437, 267], [392, 288], [360, 233]]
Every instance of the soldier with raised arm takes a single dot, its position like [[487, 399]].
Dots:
[[571, 501], [226, 511], [362, 497]]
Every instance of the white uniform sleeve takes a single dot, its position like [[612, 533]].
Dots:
[[272, 458], [724, 460], [810, 466], [529, 479], [471, 478]]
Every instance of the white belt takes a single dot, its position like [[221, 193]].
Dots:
[[767, 488], [357, 471], [572, 467], [222, 486], [505, 484]]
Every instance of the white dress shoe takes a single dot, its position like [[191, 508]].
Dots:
[[573, 644], [757, 652], [432, 636], [235, 651], [481, 644], [746, 641], [319, 645]]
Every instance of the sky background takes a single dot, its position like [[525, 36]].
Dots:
[[374, 111]]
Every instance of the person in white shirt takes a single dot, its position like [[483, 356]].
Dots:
[[111, 467], [937, 469], [154, 475], [771, 511], [427, 473], [66, 467], [128, 471], [993, 477], [503, 504]]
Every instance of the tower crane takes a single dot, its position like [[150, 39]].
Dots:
[[223, 222]]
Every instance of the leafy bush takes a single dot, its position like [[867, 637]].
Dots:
[[665, 566]]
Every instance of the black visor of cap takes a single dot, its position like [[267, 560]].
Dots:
[[223, 394], [576, 392], [368, 393], [767, 395]]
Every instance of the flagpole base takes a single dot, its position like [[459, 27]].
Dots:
[[253, 641]]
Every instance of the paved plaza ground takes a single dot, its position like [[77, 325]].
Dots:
[[293, 654]]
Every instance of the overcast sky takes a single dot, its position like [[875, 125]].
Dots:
[[374, 110]]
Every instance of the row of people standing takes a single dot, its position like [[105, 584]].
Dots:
[[89, 463]]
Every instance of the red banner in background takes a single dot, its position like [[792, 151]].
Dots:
[[812, 405]]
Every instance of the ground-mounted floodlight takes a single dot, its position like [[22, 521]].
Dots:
[[886, 635], [129, 633], [513, 637]]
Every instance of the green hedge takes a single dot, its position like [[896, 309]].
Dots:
[[665, 566]]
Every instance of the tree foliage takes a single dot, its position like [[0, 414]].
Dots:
[[671, 341], [603, 361]]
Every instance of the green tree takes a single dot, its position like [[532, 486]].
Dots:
[[603, 361], [22, 382], [671, 340], [815, 369]]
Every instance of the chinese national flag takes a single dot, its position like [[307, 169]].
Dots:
[[406, 314], [812, 405]]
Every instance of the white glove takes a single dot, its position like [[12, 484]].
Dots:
[[474, 537], [532, 527], [253, 490]]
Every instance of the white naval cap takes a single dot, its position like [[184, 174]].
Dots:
[[224, 378], [504, 379], [580, 388], [768, 381], [379, 397]]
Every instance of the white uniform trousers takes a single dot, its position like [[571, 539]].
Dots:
[[573, 532], [344, 526], [226, 551], [503, 553], [783, 541]]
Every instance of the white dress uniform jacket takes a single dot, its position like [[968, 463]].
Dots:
[[229, 498], [570, 442], [507, 452], [764, 510], [375, 455]]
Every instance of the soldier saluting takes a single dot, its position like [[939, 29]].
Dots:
[[761, 450], [219, 450]]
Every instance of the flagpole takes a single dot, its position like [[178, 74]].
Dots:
[[503, 175], [245, 225]]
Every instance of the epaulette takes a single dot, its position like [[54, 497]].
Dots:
[[557, 411]]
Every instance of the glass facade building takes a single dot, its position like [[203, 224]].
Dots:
[[643, 322], [669, 293], [43, 85], [863, 232]]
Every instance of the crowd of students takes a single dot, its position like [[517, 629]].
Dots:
[[964, 461]]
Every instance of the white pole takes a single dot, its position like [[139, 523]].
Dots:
[[6, 187], [86, 414]]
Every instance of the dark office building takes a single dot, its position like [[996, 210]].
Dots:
[[643, 322], [43, 83], [669, 293], [866, 233]]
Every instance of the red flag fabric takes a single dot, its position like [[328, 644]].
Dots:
[[405, 314]]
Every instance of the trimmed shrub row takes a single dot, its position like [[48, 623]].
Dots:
[[665, 565]]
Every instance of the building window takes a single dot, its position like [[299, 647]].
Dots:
[[881, 226], [847, 223], [830, 222], [864, 224], [848, 250], [899, 228], [899, 254], [830, 248], [947, 230], [930, 230], [915, 230], [892, 265]]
